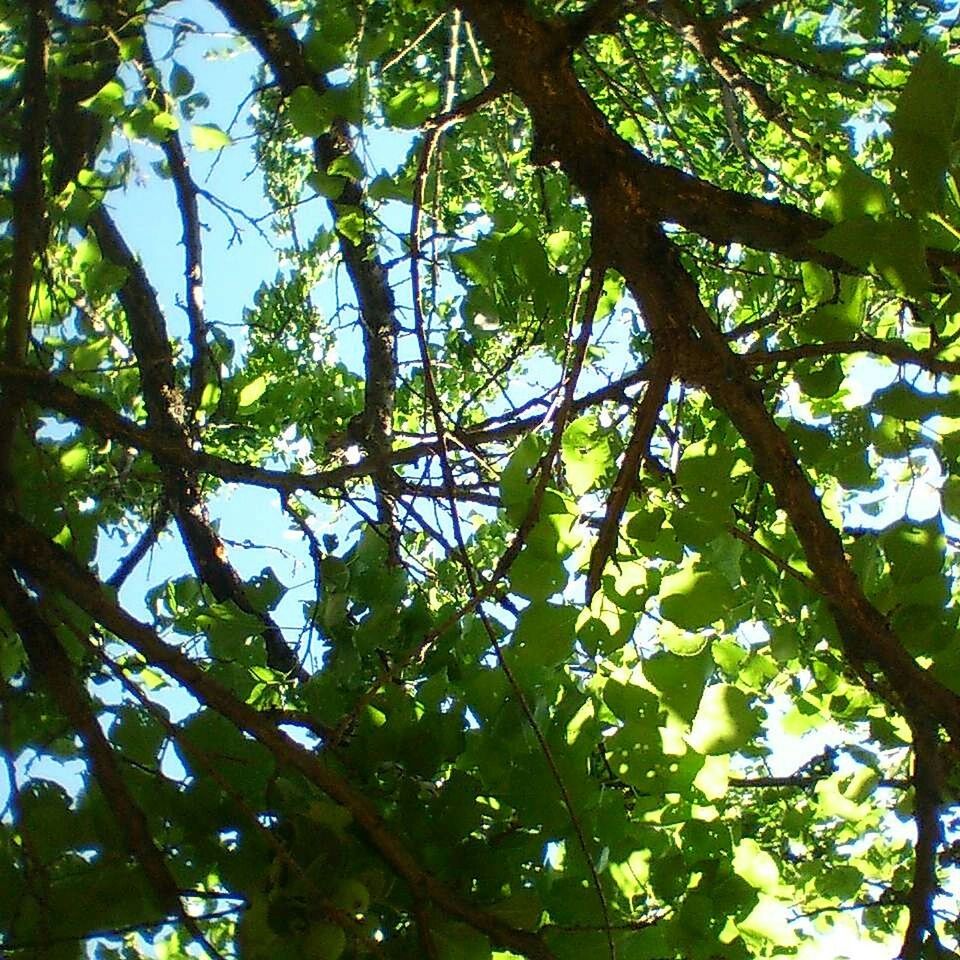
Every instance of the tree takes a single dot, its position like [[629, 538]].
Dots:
[[638, 462]]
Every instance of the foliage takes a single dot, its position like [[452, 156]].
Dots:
[[603, 378]]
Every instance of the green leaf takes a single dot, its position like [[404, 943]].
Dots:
[[250, 393], [679, 681], [74, 460], [924, 129], [515, 489], [645, 524], [914, 551], [893, 247], [704, 475], [413, 104], [755, 865], [306, 110], [820, 379], [108, 101], [855, 194], [770, 921], [693, 599], [547, 632], [586, 454], [208, 136], [181, 81], [950, 497], [724, 721], [537, 578]]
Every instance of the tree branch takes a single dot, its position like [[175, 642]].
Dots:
[[187, 194], [262, 24], [166, 419], [892, 349], [53, 394], [628, 196], [927, 797], [55, 671], [29, 219], [644, 424], [48, 565]]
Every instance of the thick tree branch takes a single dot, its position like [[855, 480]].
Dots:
[[530, 58], [620, 188]]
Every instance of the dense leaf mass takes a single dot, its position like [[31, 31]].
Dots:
[[479, 480]]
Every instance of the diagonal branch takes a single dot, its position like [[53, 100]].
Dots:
[[263, 25], [51, 567], [56, 672], [166, 417], [644, 424], [626, 207]]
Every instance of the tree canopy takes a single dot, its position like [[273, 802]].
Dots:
[[595, 384]]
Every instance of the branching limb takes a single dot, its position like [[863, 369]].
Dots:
[[166, 419], [776, 560], [622, 189], [52, 394], [601, 16], [571, 128]]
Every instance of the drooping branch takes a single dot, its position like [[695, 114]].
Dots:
[[146, 542]]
